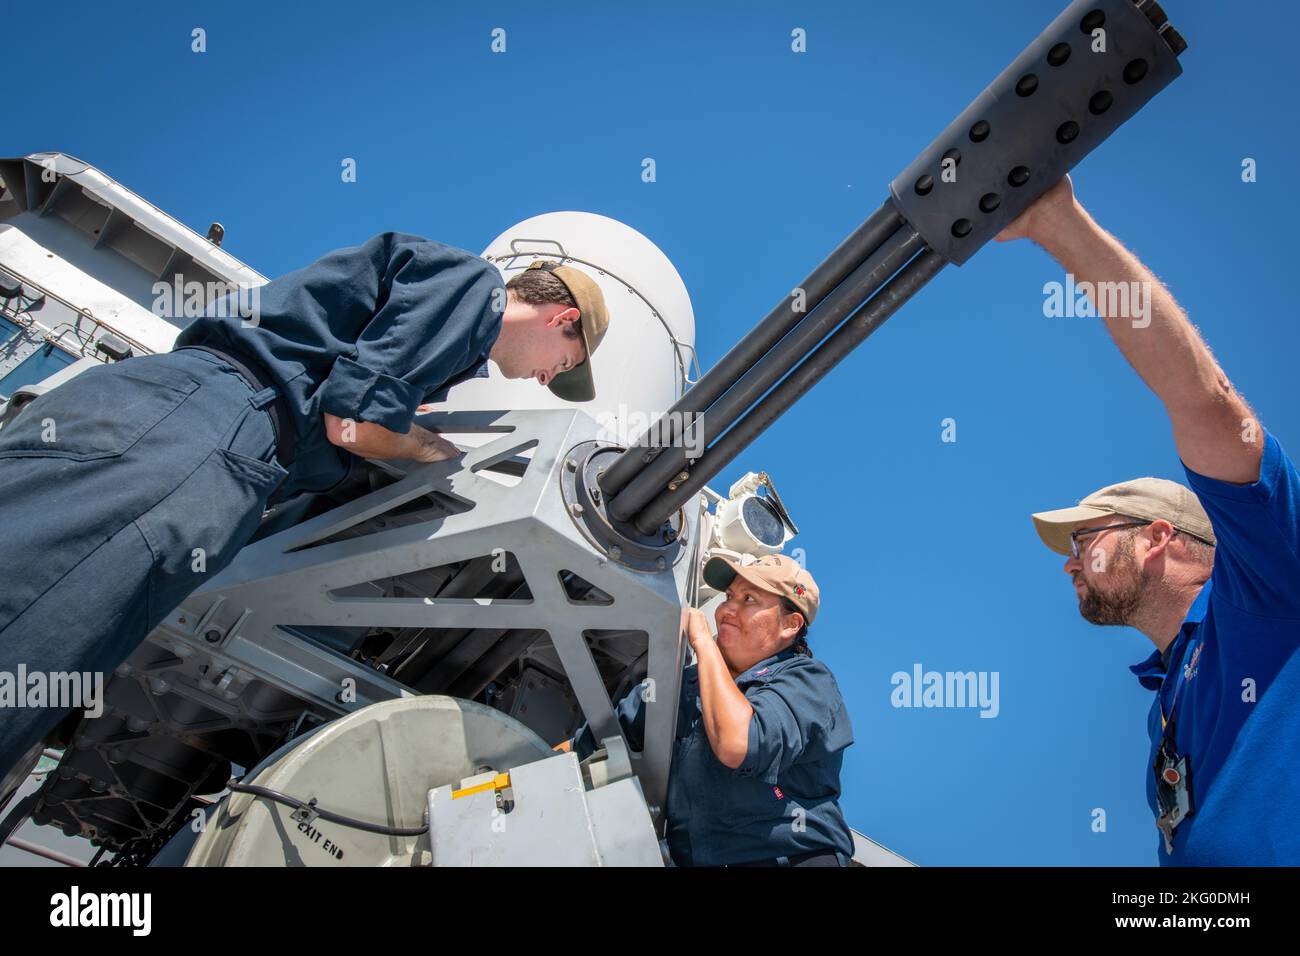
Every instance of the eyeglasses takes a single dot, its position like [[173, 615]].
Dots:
[[1076, 535]]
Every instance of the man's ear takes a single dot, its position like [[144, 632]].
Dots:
[[564, 315], [1160, 532]]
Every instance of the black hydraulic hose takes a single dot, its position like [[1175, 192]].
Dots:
[[332, 817]]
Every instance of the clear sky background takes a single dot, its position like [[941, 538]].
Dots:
[[765, 160]]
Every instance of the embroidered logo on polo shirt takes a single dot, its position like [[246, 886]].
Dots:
[[779, 794], [1189, 669]]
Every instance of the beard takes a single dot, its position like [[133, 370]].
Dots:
[[1116, 605]]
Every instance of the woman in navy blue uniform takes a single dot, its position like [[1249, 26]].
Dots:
[[761, 729]]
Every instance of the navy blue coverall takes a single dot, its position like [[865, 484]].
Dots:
[[116, 485], [782, 802]]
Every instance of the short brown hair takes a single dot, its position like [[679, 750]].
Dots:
[[1202, 552], [539, 287]]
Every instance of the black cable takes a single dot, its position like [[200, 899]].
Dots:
[[310, 806]]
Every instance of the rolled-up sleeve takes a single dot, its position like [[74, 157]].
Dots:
[[356, 391], [433, 310], [798, 714]]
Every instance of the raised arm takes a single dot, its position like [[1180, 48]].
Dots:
[[1214, 428]]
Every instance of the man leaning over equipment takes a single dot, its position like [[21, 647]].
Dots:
[[159, 455]]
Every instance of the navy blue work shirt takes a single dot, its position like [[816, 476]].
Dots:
[[369, 333], [1237, 675], [783, 799]]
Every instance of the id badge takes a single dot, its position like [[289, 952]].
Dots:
[[1173, 795]]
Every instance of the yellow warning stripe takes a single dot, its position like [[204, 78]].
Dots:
[[499, 782]]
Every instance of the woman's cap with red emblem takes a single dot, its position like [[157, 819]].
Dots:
[[775, 573]]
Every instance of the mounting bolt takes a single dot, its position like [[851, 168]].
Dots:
[[661, 562], [212, 636], [576, 510], [615, 552], [570, 464], [670, 535]]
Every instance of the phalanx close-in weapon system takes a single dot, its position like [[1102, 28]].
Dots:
[[385, 666]]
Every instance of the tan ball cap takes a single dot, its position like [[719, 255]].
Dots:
[[775, 573], [1149, 499], [577, 385]]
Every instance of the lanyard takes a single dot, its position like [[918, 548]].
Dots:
[[1178, 686], [1173, 785]]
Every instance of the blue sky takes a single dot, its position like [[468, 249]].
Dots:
[[765, 161]]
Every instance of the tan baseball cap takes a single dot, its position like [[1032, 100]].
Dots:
[[775, 573], [1148, 499], [577, 385]]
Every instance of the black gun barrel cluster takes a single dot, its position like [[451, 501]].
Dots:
[[1091, 70]]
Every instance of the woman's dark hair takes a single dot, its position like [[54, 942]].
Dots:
[[800, 645]]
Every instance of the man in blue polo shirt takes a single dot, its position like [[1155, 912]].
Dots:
[[127, 487], [1211, 577]]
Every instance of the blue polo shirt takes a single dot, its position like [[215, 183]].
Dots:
[[368, 333], [783, 799], [1237, 675]]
